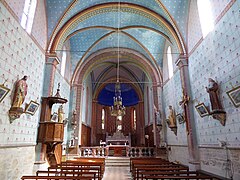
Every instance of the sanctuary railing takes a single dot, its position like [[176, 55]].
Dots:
[[98, 151]]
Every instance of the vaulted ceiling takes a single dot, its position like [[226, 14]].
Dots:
[[139, 27]]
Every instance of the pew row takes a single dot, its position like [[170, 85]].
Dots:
[[54, 177], [157, 168], [79, 168]]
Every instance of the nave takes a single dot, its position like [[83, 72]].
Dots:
[[130, 75]]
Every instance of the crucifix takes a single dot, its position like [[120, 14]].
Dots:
[[184, 103]]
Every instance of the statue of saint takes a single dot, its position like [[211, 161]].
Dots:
[[212, 89], [172, 117], [20, 92], [60, 114], [184, 103]]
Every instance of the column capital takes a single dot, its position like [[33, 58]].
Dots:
[[52, 58], [77, 85], [182, 60]]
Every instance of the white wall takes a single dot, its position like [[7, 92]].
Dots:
[[19, 56], [218, 57]]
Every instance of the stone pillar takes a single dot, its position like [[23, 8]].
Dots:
[[193, 150], [153, 115], [140, 132], [72, 128], [160, 137], [79, 90], [94, 124], [50, 69]]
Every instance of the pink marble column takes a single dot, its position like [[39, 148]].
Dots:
[[140, 124]]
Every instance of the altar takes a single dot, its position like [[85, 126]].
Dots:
[[117, 150], [118, 144]]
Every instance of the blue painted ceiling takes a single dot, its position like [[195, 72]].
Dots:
[[60, 11], [120, 27]]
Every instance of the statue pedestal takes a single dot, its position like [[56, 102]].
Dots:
[[220, 115], [15, 113], [173, 129]]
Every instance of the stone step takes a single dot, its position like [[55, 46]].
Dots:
[[117, 161], [116, 165]]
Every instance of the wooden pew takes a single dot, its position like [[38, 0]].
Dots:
[[92, 161], [77, 169], [84, 166], [147, 164], [150, 160], [90, 175], [156, 168], [54, 177], [100, 160], [147, 174], [179, 177], [147, 168]]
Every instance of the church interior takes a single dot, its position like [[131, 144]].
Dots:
[[155, 83]]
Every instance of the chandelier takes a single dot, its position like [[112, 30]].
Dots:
[[118, 109]]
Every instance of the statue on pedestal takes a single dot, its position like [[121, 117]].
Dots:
[[60, 114], [184, 103], [171, 117], [171, 121], [212, 89], [19, 95], [217, 109]]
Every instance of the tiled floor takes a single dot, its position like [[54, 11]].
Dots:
[[117, 173]]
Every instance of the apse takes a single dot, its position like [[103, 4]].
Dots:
[[128, 93]]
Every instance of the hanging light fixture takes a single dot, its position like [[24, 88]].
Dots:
[[118, 109]]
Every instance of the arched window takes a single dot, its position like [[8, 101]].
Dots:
[[206, 17], [170, 63], [134, 120], [63, 63], [28, 14], [103, 118]]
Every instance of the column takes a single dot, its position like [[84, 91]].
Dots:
[[79, 89], [50, 69], [94, 123], [140, 132], [193, 150], [153, 115]]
